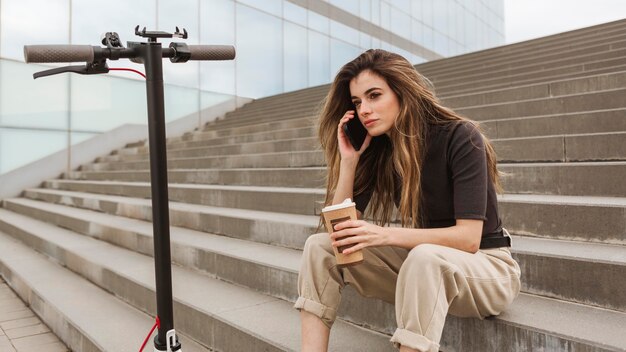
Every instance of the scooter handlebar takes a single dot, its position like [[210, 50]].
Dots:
[[211, 52], [58, 53]]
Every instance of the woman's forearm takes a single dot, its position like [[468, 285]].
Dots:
[[465, 238], [345, 185]]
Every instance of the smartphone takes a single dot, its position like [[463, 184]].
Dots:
[[355, 131]]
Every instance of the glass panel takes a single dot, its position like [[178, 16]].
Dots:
[[294, 13], [319, 57], [365, 9], [88, 24], [427, 9], [318, 22], [31, 144], [272, 6], [343, 32], [365, 41], [402, 5], [341, 53], [25, 102], [440, 16], [376, 12], [352, 6], [385, 14], [28, 22], [417, 34], [181, 13], [101, 103], [416, 9], [78, 137], [441, 44], [180, 102], [400, 23], [428, 38], [217, 26], [259, 62], [296, 57]]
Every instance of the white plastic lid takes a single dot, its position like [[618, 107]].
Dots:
[[345, 204]]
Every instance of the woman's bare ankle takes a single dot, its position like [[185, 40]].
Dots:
[[315, 333]]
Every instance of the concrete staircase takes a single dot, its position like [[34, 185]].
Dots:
[[245, 193]]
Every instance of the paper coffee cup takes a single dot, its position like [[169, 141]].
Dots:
[[335, 214]]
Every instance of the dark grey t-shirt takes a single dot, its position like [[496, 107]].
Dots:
[[455, 181]]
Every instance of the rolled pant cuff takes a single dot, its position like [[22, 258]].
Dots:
[[326, 314], [412, 340]]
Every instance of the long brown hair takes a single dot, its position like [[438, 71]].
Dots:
[[402, 152]]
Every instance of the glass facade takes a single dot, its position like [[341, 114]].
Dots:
[[282, 45]]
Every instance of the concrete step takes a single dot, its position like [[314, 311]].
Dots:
[[285, 230], [566, 39], [604, 147], [312, 177], [273, 199], [574, 179], [565, 217], [310, 105], [593, 264], [285, 145], [463, 63], [609, 99], [611, 120], [220, 315], [264, 160], [546, 216], [62, 244], [201, 139], [84, 316], [535, 61], [557, 88], [603, 179], [610, 65], [565, 148]]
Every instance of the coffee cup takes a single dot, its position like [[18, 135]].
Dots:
[[335, 214]]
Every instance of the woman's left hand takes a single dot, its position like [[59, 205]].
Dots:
[[361, 232]]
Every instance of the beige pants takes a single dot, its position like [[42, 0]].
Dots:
[[425, 284]]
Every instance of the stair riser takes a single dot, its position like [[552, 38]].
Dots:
[[564, 58], [308, 178], [577, 103], [563, 41], [578, 86], [280, 202], [208, 330], [299, 159], [604, 147], [553, 277], [201, 141], [570, 222], [580, 123], [569, 72], [296, 145], [573, 280], [69, 332], [262, 231], [585, 180], [555, 221]]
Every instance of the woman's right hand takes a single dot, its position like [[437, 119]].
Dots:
[[347, 151]]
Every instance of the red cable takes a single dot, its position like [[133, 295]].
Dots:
[[128, 69], [157, 324]]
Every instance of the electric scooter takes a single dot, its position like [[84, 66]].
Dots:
[[149, 54]]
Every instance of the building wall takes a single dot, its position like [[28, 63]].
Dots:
[[282, 45]]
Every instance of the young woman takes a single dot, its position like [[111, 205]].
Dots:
[[450, 255]]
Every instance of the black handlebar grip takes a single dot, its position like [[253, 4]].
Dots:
[[211, 52], [58, 53]]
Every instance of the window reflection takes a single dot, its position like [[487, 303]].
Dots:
[[319, 59], [259, 62], [341, 53], [296, 58], [28, 22]]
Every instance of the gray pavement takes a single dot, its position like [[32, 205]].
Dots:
[[20, 329]]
